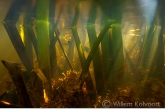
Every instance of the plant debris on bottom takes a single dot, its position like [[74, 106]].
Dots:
[[69, 93]]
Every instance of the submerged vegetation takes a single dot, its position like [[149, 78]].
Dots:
[[69, 60]]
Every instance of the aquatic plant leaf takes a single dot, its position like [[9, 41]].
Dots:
[[129, 60], [95, 46], [76, 37], [160, 49], [40, 74], [53, 55], [15, 73], [66, 57], [10, 26], [97, 57], [117, 72], [78, 46], [43, 39], [29, 34]]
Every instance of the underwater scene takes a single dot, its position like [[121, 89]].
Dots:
[[82, 53]]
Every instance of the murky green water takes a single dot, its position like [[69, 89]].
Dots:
[[83, 53]]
